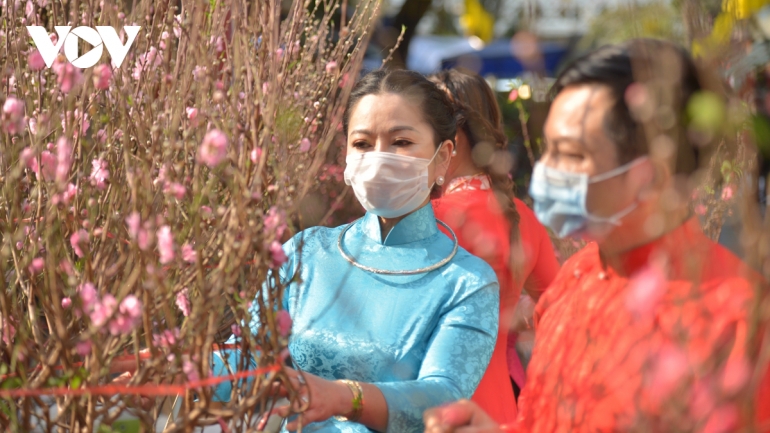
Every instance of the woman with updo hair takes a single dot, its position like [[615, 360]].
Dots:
[[478, 204], [390, 316]]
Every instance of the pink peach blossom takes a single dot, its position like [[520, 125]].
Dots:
[[189, 254], [37, 265], [9, 331], [304, 145], [63, 159], [275, 222], [331, 67], [255, 155], [35, 61], [284, 322], [103, 310], [213, 150], [77, 239], [189, 369], [48, 161], [12, 117], [68, 77], [727, 192], [145, 238], [102, 76], [27, 159], [99, 174], [66, 196], [192, 115], [101, 136], [277, 254], [183, 302], [165, 244], [645, 290], [88, 295], [132, 222], [700, 209], [176, 189], [146, 62], [128, 317], [83, 348], [199, 72]]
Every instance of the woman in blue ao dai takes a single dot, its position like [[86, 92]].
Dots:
[[407, 341]]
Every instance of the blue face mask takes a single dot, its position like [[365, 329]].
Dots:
[[560, 199]]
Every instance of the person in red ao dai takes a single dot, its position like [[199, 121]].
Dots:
[[647, 328], [479, 206]]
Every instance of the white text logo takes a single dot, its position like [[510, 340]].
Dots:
[[103, 36]]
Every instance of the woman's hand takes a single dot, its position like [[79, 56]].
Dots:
[[321, 399], [522, 316], [463, 416]]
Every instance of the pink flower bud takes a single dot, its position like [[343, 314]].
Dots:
[[102, 76], [165, 244], [213, 150], [66, 303], [12, 116], [35, 61]]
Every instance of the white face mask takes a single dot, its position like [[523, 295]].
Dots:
[[386, 184]]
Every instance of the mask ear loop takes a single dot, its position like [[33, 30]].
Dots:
[[617, 171], [431, 162]]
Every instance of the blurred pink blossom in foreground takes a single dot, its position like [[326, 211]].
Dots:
[[9, 331], [128, 317], [304, 145], [727, 192], [275, 222], [146, 62], [277, 253], [213, 150], [284, 322], [35, 61], [99, 173], [183, 302], [67, 76], [102, 76], [77, 239], [189, 254], [12, 117], [165, 245], [645, 289]]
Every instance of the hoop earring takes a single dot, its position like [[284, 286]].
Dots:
[[440, 180]]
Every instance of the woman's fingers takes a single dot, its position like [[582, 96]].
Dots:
[[460, 417]]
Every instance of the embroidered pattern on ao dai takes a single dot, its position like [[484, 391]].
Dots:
[[423, 340]]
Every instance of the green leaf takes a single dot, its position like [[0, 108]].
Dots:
[[707, 111], [75, 382]]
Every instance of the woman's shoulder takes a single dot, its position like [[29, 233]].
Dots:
[[466, 271], [313, 238]]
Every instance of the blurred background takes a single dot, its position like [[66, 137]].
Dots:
[[520, 46]]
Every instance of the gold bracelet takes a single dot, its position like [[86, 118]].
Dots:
[[358, 401]]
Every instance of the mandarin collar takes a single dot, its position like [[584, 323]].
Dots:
[[682, 241], [416, 226]]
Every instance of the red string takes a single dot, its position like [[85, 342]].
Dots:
[[129, 357], [145, 390]]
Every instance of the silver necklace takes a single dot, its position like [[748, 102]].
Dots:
[[432, 267]]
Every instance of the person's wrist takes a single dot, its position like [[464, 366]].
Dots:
[[354, 404], [344, 399]]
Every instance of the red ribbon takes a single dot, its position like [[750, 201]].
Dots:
[[145, 390]]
